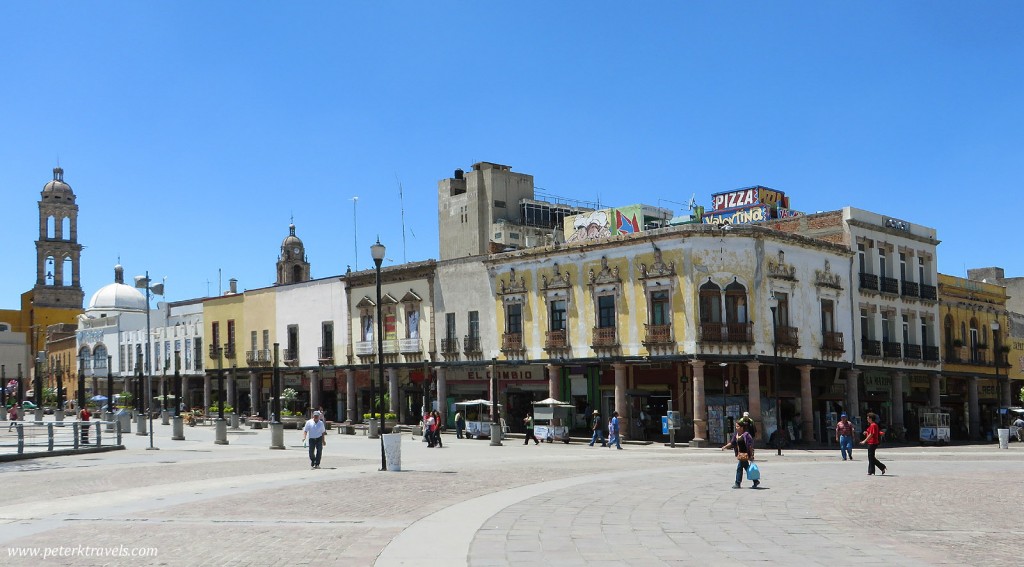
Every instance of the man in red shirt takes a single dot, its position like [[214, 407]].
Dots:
[[84, 415]]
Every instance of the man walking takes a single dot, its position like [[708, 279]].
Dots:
[[613, 431], [460, 424], [844, 435], [315, 430], [598, 434], [528, 420]]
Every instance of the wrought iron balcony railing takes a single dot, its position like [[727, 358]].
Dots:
[[869, 281], [832, 341]]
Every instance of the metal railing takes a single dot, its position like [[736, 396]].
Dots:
[[890, 285], [870, 347], [450, 345], [833, 341], [258, 357], [49, 436], [892, 349], [472, 344], [604, 336], [869, 281], [556, 339], [658, 334], [929, 292], [912, 351], [788, 336], [910, 289], [325, 353], [512, 342]]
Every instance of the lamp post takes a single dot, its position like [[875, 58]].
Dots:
[[995, 352], [81, 383], [143, 282], [177, 425], [221, 425], [773, 304], [377, 251], [110, 392], [38, 388]]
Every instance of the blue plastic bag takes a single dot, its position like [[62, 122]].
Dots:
[[753, 473]]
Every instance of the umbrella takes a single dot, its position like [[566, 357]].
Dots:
[[475, 403], [551, 402], [98, 398]]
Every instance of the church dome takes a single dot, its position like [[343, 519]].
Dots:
[[57, 190], [118, 295], [291, 239]]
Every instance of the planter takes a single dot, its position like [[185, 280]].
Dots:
[[293, 422]]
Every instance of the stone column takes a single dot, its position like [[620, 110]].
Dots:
[[207, 392], [897, 400], [554, 381], [1006, 394], [314, 390], [754, 395], [621, 405], [852, 393], [973, 409], [392, 374], [442, 392], [700, 408], [351, 415], [934, 397], [254, 393], [806, 403]]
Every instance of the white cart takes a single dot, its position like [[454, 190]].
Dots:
[[934, 427]]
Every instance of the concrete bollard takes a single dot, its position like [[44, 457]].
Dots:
[[177, 428], [393, 451], [277, 436], [222, 432]]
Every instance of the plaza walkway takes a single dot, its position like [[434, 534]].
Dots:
[[196, 503]]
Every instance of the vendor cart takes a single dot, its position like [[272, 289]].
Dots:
[[478, 417], [934, 427], [549, 410]]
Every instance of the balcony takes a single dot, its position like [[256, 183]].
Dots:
[[410, 346], [325, 355], [258, 357], [912, 351], [472, 345], [450, 345], [604, 337], [979, 355], [787, 337], [870, 348], [229, 351], [554, 340], [869, 281], [291, 355], [931, 353], [214, 354], [929, 292], [891, 286], [727, 332], [892, 349], [512, 342], [658, 335], [832, 341], [909, 289], [364, 348], [390, 346]]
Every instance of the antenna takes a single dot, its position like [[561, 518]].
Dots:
[[355, 233], [401, 203]]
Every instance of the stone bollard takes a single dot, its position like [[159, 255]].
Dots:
[[277, 436], [222, 432], [177, 428], [234, 421], [393, 451], [165, 417], [496, 434], [140, 424], [373, 431]]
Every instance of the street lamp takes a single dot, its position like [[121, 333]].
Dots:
[[377, 251], [222, 428], [143, 282], [995, 352], [773, 304]]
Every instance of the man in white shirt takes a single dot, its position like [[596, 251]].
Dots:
[[315, 430]]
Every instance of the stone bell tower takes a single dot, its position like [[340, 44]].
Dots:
[[57, 249]]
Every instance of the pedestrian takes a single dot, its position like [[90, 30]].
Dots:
[[844, 435], [528, 420], [598, 434], [428, 428], [12, 415], [460, 424], [871, 438], [84, 416], [742, 445], [316, 431], [613, 431], [1019, 424], [437, 429], [748, 423]]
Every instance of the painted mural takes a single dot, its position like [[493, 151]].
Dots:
[[604, 223]]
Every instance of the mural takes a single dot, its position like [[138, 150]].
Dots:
[[588, 226]]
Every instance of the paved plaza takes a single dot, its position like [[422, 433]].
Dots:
[[196, 503]]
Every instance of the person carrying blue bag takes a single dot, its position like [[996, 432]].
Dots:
[[742, 444]]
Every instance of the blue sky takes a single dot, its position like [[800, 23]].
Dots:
[[192, 131]]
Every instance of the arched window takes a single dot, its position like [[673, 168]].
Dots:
[[99, 357], [67, 272], [65, 228], [296, 274], [51, 227], [710, 303], [84, 356], [735, 303]]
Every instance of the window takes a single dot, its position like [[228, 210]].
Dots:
[[885, 327], [99, 357], [735, 303], [253, 338], [390, 324], [558, 315], [865, 325], [782, 311], [660, 308], [198, 342], [121, 362], [710, 303], [474, 324], [449, 329], [188, 352], [231, 335], [881, 263], [412, 322], [861, 258], [156, 355], [828, 316], [85, 357], [924, 332], [167, 354], [215, 334], [920, 271], [513, 318], [366, 324], [293, 342], [903, 266], [266, 339], [906, 330], [606, 311], [327, 335]]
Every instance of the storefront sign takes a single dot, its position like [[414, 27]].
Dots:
[[988, 389], [920, 382], [505, 373], [877, 383]]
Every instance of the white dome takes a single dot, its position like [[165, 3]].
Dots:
[[118, 296]]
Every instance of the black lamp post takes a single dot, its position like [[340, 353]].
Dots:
[[59, 403], [143, 282], [177, 384], [3, 386], [81, 383], [377, 251], [40, 362], [773, 304], [995, 352], [110, 386]]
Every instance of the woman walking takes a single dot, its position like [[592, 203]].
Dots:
[[742, 445], [871, 438], [437, 429]]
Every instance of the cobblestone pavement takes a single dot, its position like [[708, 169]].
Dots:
[[469, 503]]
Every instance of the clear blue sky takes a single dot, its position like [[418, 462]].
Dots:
[[192, 131]]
